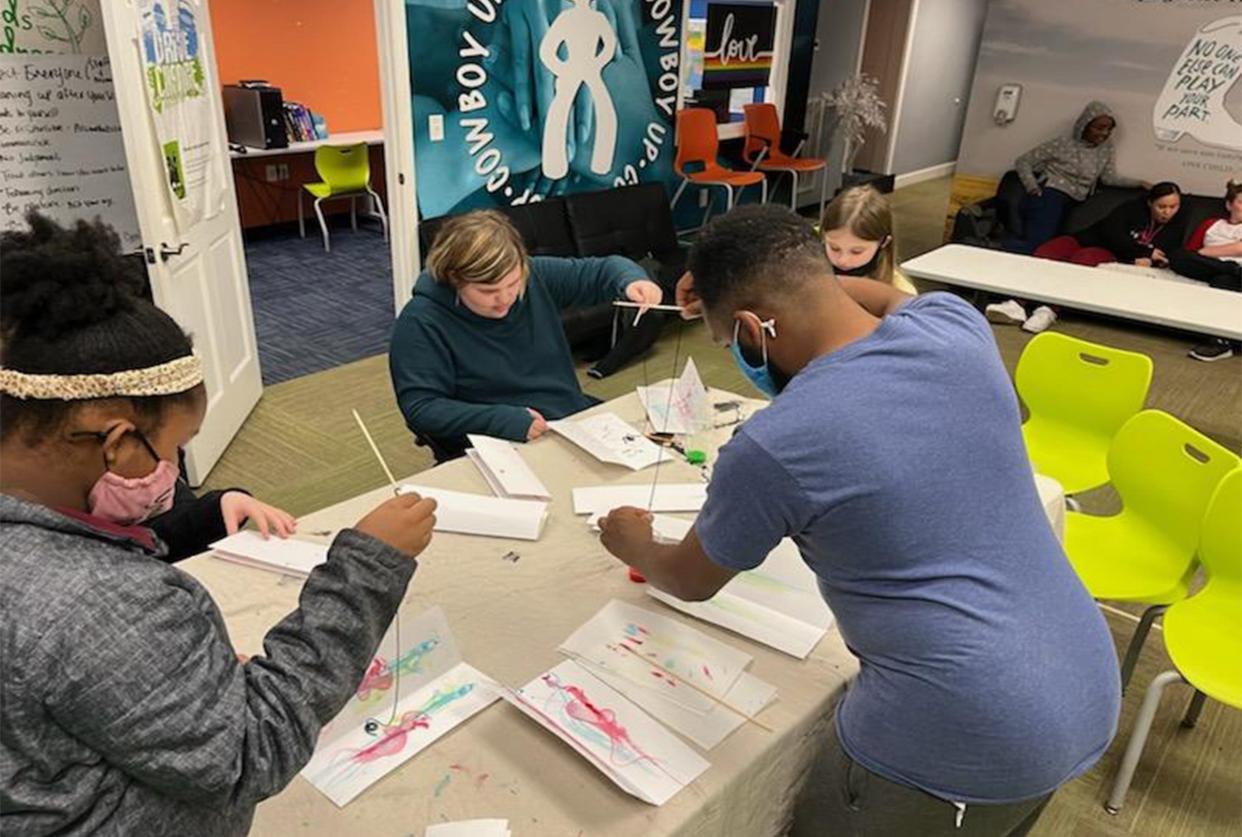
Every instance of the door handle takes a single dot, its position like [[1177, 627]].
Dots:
[[165, 253]]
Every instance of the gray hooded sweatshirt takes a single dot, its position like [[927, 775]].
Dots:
[[1071, 165], [124, 708]]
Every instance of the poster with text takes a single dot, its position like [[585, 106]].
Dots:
[[524, 100], [176, 79], [740, 42]]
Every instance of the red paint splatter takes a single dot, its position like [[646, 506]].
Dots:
[[708, 672], [481, 781], [460, 768], [393, 739]]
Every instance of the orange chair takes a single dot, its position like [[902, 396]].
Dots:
[[697, 144], [763, 151]]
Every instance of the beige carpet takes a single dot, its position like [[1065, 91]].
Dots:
[[301, 450]]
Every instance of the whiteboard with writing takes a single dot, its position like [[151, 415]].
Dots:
[[60, 143]]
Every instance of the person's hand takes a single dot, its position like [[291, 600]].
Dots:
[[404, 523], [538, 426], [1143, 262], [237, 507], [645, 292], [687, 298], [626, 532], [1158, 257]]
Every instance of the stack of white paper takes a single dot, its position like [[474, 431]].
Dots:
[[671, 497], [778, 603], [505, 470], [479, 514], [289, 556], [609, 439], [411, 695], [619, 739], [658, 662], [469, 828], [679, 407]]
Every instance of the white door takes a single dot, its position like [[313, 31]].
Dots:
[[198, 269]]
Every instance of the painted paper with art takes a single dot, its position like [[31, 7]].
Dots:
[[416, 689], [650, 658], [680, 406], [778, 603], [614, 735]]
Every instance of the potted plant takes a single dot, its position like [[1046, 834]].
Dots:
[[858, 107]]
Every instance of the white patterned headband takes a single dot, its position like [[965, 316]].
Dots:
[[170, 378]]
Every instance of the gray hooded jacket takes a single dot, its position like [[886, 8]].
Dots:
[[1069, 164], [124, 707]]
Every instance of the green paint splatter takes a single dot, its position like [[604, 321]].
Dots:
[[442, 785]]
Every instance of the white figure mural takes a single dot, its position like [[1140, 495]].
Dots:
[[589, 44]]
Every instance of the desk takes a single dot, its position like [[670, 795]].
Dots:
[[262, 202], [347, 138], [508, 619], [1165, 302]]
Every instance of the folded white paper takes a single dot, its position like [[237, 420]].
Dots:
[[670, 497], [412, 694], [778, 603], [664, 529], [469, 828], [479, 514], [289, 556], [609, 439], [505, 470], [679, 407], [621, 740]]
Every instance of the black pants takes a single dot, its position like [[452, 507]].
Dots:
[[1219, 273]]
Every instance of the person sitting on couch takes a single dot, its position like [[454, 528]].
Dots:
[[480, 348], [1141, 232], [1214, 255], [1064, 171]]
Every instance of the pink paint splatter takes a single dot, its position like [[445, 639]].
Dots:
[[481, 780], [580, 708], [708, 672], [392, 737]]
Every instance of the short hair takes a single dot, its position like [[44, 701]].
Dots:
[[1232, 190], [478, 247], [755, 252], [1162, 190], [73, 305]]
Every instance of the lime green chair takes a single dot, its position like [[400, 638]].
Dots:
[[1078, 395], [346, 173], [1165, 473], [1203, 634]]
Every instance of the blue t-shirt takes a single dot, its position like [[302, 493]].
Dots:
[[896, 463]]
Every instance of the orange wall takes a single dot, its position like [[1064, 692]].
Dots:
[[321, 53]]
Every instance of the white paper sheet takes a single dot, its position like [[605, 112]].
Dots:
[[413, 692], [469, 828], [664, 529], [479, 514], [289, 556], [625, 639], [669, 497], [619, 645], [618, 738], [505, 470], [679, 407], [609, 439], [778, 603]]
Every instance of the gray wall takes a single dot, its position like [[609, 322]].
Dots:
[[939, 72], [839, 39]]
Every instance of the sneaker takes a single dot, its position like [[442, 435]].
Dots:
[[1216, 350], [1040, 320], [1009, 312]]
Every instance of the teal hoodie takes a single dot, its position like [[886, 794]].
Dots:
[[455, 372]]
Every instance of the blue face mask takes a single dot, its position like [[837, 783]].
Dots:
[[759, 376]]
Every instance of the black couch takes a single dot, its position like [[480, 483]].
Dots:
[[988, 222], [632, 221]]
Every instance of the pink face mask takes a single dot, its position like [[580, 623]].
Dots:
[[129, 501]]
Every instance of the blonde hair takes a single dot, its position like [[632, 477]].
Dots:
[[478, 247], [865, 213]]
